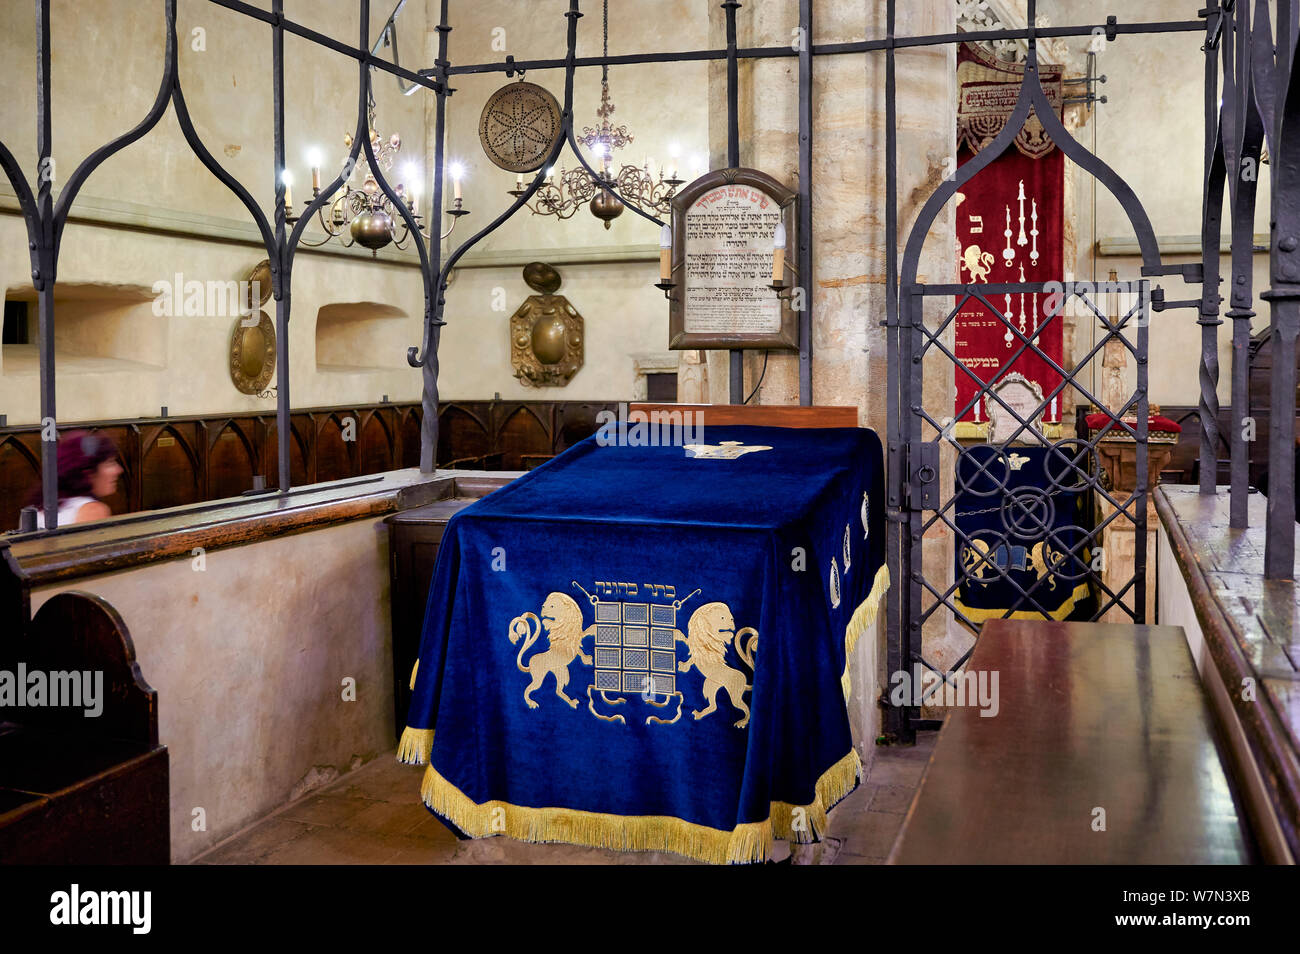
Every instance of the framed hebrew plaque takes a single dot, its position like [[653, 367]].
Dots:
[[723, 227]]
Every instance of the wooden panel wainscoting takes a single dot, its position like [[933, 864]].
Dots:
[[173, 461], [512, 435]]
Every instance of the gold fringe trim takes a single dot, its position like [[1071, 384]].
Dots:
[[979, 615], [863, 618], [414, 670], [747, 843], [969, 430], [415, 746]]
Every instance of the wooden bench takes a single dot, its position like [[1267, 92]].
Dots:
[[76, 789], [1090, 716]]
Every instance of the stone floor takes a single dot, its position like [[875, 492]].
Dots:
[[374, 816]]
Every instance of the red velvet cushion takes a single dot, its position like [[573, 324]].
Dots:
[[1157, 422]]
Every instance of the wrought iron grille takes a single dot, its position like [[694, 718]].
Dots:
[[1251, 45], [1066, 554]]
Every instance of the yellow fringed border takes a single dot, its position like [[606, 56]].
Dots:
[[414, 670], [979, 615], [416, 746], [746, 843], [863, 617]]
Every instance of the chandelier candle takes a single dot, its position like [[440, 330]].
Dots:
[[665, 253]]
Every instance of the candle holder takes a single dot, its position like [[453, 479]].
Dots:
[[666, 288], [347, 208], [782, 288]]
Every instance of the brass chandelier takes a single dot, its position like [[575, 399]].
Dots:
[[564, 195], [363, 215]]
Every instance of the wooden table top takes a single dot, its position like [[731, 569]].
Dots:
[[1090, 715]]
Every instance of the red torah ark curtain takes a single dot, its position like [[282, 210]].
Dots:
[[1009, 229]]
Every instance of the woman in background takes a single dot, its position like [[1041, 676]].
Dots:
[[88, 472]]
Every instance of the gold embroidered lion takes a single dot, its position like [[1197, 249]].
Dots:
[[709, 632], [562, 620], [1043, 558], [975, 561], [977, 263]]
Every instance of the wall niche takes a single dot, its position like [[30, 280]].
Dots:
[[362, 336], [97, 328]]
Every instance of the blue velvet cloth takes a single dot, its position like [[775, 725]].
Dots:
[[1025, 511], [650, 559]]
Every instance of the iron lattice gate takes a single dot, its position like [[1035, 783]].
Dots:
[[1013, 525], [1036, 545]]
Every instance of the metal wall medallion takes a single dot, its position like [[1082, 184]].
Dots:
[[259, 285], [520, 125], [252, 353], [546, 332]]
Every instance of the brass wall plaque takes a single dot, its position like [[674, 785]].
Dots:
[[520, 125], [546, 332], [723, 228]]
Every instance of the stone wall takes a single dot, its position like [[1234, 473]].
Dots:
[[848, 193], [249, 657], [155, 211]]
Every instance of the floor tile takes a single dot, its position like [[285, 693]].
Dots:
[[374, 815], [389, 818], [325, 809], [336, 846], [892, 798], [869, 833], [257, 842]]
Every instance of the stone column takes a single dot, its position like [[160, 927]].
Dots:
[[847, 290]]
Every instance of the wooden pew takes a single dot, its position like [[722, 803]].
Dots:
[[77, 789], [1090, 716]]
